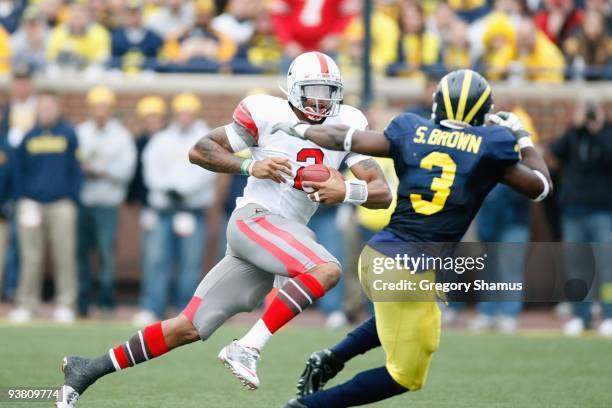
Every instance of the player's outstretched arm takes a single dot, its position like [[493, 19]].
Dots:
[[214, 152], [339, 137], [530, 176]]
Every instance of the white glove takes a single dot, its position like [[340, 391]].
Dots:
[[510, 121], [292, 129]]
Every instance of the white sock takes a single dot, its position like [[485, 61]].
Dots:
[[257, 337]]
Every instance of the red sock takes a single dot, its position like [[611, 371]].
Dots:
[[144, 345], [297, 294]]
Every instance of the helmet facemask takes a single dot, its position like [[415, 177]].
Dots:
[[317, 99]]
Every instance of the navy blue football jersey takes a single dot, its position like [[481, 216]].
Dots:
[[444, 175]]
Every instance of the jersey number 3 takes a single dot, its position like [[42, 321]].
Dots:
[[440, 185]]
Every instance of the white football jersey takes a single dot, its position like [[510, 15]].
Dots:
[[258, 114]]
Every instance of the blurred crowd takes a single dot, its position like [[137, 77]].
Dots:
[[62, 186], [535, 40]]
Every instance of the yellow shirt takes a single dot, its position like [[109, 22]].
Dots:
[[377, 219], [545, 63], [421, 49], [499, 40], [5, 52], [92, 47], [385, 34]]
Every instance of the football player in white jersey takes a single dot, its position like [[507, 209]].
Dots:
[[267, 233]]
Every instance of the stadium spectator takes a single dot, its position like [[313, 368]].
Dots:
[[558, 19], [237, 21], [589, 48], [470, 10], [5, 52], [47, 182], [54, 12], [108, 157], [423, 107], [6, 200], [584, 154], [302, 29], [151, 111], [79, 43], [19, 115], [498, 41], [10, 14], [385, 35], [201, 48], [108, 13], [133, 46], [456, 49], [539, 59], [418, 47], [263, 53], [29, 42], [178, 193], [172, 18]]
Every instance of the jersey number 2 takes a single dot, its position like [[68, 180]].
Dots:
[[305, 155], [440, 185]]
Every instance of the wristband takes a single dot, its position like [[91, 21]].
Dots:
[[244, 167], [524, 142], [250, 168], [348, 139], [356, 192], [301, 128], [546, 190]]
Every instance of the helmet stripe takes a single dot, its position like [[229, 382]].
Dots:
[[478, 104], [447, 102], [323, 62], [465, 90]]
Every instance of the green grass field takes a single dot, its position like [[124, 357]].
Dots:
[[468, 370]]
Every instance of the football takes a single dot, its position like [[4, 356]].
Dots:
[[315, 172]]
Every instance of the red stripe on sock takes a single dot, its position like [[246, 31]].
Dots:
[[154, 337], [289, 239], [311, 283], [120, 356], [277, 315], [293, 266], [192, 308]]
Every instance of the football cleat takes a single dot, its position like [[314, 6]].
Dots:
[[77, 378], [321, 367], [295, 403], [242, 362]]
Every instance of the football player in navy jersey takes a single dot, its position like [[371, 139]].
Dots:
[[446, 167]]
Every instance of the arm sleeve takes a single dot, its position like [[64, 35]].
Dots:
[[393, 133], [502, 147], [243, 132], [17, 167]]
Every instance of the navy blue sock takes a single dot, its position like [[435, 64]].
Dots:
[[360, 340], [365, 388]]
